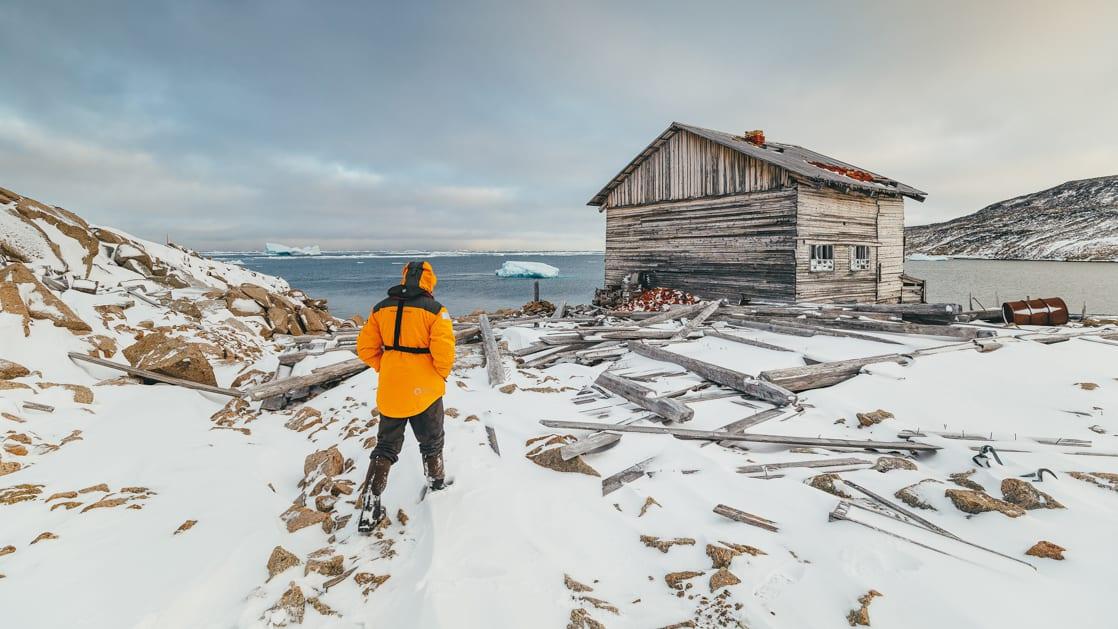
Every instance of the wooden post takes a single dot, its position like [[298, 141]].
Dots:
[[722, 375], [151, 375], [558, 314], [642, 396], [696, 321], [321, 375], [492, 352], [746, 518], [536, 290], [627, 475]]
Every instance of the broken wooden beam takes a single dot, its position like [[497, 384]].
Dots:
[[467, 333], [714, 435], [321, 375], [821, 375], [158, 377], [493, 366], [673, 313], [778, 328], [724, 376], [35, 406], [904, 327], [491, 436], [692, 324], [642, 396], [738, 515], [559, 310], [814, 463], [720, 334], [627, 475]]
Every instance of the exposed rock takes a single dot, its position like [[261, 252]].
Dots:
[[185, 526], [105, 503], [101, 346], [865, 420], [257, 293], [974, 501], [15, 449], [1047, 550], [186, 307], [321, 607], [35, 301], [963, 479], [8, 385], [598, 603], [546, 454], [280, 560], [508, 388], [744, 549], [299, 517], [69, 505], [82, 394], [241, 304], [324, 504], [664, 545], [44, 536], [313, 321], [329, 461], [171, 356], [721, 556], [723, 578], [304, 418], [129, 252], [9, 467], [7, 550], [325, 562], [1105, 480], [369, 581], [890, 463], [1087, 386], [910, 495], [648, 503], [293, 606], [675, 580], [571, 584], [826, 482], [581, 619], [19, 493], [92, 488], [402, 517], [1024, 494], [70, 224], [9, 370], [861, 616]]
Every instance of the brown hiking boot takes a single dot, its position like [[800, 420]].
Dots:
[[381, 466], [436, 475]]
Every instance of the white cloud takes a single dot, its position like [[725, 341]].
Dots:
[[470, 196], [330, 173]]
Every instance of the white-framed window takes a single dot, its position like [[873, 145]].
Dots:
[[860, 258], [822, 257]]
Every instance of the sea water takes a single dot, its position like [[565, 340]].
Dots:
[[353, 281]]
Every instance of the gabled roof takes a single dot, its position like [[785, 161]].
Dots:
[[795, 159]]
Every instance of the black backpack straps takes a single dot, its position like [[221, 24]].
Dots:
[[411, 290], [399, 320]]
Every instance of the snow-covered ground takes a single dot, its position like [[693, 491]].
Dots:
[[516, 544]]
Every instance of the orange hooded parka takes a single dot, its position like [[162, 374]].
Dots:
[[413, 366]]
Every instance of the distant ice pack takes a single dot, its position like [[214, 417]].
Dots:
[[274, 249], [513, 268]]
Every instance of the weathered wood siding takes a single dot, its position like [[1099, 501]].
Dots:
[[721, 247], [690, 167], [829, 216]]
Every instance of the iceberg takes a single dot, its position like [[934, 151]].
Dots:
[[274, 249], [513, 268]]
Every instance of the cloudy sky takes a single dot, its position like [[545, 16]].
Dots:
[[489, 125]]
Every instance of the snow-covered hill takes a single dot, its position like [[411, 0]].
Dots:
[[133, 504], [1077, 220]]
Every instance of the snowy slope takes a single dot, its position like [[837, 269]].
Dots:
[[516, 544], [1077, 220]]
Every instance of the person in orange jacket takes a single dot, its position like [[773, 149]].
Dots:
[[409, 341]]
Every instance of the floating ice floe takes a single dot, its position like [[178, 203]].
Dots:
[[513, 268], [274, 249]]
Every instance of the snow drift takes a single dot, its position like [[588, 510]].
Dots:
[[514, 268]]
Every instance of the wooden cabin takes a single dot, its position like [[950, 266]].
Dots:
[[733, 216]]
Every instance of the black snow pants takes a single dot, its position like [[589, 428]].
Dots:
[[426, 426]]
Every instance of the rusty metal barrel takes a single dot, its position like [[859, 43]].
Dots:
[[1047, 311]]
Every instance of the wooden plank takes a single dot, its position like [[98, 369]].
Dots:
[[465, 334], [736, 380], [493, 366], [35, 406], [491, 435], [559, 310], [911, 446], [821, 375], [922, 329], [321, 375], [151, 375], [719, 334], [816, 329], [777, 328], [692, 324], [642, 396], [627, 475], [814, 463], [741, 425], [738, 515], [673, 313]]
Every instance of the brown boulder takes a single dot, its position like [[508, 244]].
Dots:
[[299, 517], [101, 346], [329, 461], [723, 578], [861, 616], [292, 604], [9, 370], [35, 301], [963, 479], [241, 304], [1025, 495], [675, 580], [865, 420], [546, 454], [890, 463], [258, 293], [1047, 550], [281, 559], [9, 467], [664, 545], [171, 356], [279, 317], [324, 562], [972, 501], [826, 482], [313, 322], [130, 252]]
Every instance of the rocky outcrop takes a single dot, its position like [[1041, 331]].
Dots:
[[1025, 495], [1046, 550], [973, 501], [9, 370], [171, 356], [281, 559], [22, 294], [861, 616]]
